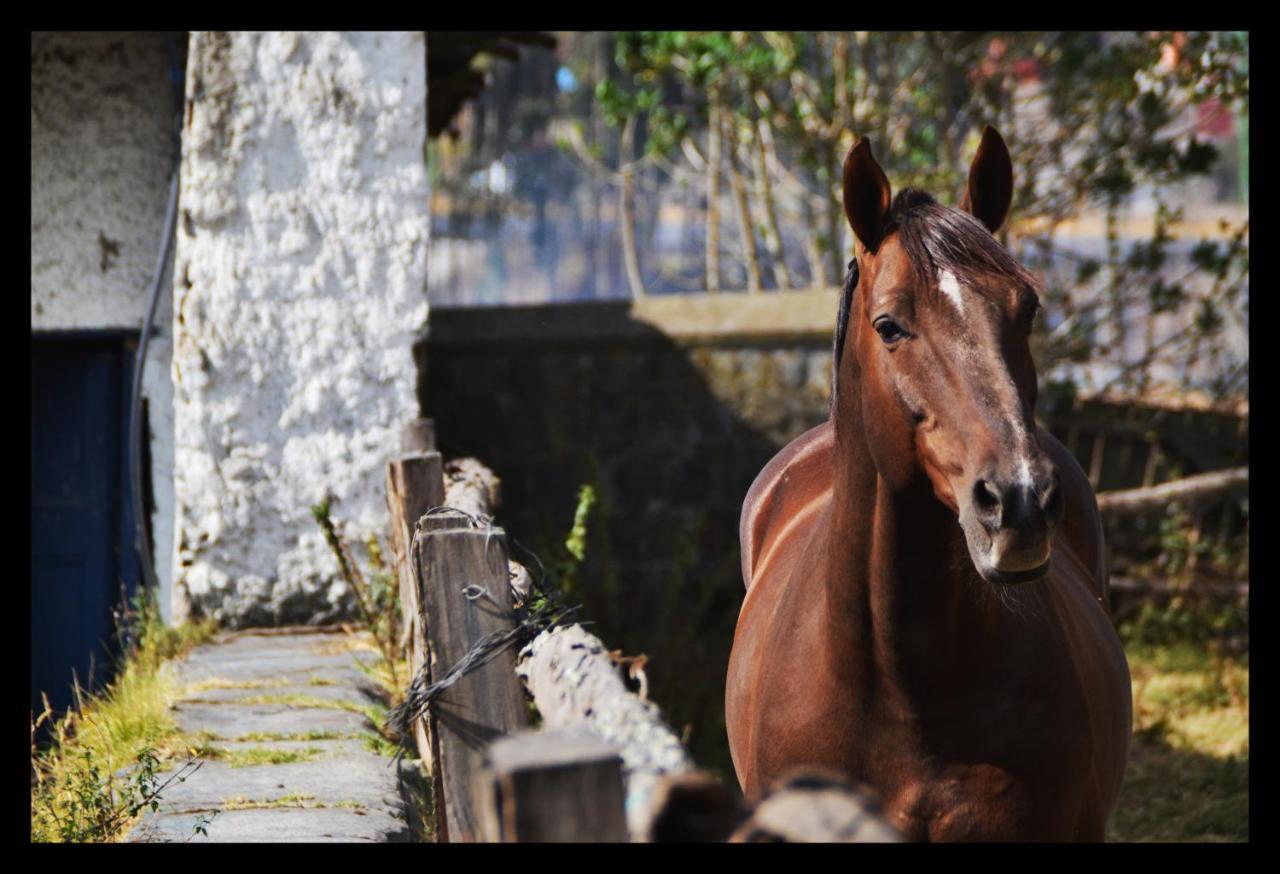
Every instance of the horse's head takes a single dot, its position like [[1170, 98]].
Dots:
[[934, 328]]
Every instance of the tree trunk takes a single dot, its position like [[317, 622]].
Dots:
[[627, 208], [739, 186], [813, 248], [713, 193], [773, 239], [835, 215]]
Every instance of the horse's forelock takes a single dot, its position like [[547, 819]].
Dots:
[[937, 238]]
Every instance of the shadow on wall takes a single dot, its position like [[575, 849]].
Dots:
[[670, 434]]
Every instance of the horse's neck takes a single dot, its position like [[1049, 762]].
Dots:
[[899, 582]]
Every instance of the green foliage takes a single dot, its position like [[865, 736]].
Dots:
[[565, 559], [1089, 118], [103, 766], [377, 598], [1182, 621], [90, 806], [1188, 772]]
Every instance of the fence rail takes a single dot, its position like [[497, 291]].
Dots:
[[603, 765]]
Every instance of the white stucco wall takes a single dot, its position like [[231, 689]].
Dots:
[[299, 287], [103, 148]]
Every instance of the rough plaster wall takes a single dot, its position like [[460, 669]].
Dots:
[[103, 147], [102, 154], [299, 289]]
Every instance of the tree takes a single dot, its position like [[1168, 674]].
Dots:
[[1090, 119]]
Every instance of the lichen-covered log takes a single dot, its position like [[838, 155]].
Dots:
[[574, 683], [471, 487], [821, 808]]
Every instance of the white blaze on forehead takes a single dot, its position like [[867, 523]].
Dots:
[[1024, 474], [949, 286]]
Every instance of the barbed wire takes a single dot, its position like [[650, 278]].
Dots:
[[548, 612]]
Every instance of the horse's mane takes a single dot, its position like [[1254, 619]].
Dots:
[[936, 238]]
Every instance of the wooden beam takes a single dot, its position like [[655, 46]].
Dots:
[[466, 595], [553, 786], [1202, 487]]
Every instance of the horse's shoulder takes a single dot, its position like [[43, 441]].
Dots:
[[1082, 522], [790, 477]]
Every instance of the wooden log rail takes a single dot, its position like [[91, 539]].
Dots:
[[604, 766], [1192, 489], [574, 683]]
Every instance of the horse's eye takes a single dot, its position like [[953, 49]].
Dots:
[[889, 330]]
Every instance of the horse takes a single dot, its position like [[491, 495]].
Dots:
[[926, 582]]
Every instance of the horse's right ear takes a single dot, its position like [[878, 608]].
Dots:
[[866, 195]]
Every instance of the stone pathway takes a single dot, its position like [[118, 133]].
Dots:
[[286, 719]]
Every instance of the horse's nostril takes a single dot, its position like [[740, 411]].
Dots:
[[985, 496]]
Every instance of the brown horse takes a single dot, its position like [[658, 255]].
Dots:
[[926, 579]]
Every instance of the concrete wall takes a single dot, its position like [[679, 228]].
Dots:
[[103, 149], [299, 289]]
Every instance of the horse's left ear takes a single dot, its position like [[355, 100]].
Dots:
[[990, 188]]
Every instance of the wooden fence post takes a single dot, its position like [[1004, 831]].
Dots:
[[553, 786], [466, 594], [415, 484], [418, 435], [419, 653]]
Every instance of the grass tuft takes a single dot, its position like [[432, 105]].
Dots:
[[102, 768], [1188, 773]]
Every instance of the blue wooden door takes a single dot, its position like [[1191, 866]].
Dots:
[[82, 554]]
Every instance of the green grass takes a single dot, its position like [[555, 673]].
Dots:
[[248, 756], [260, 736], [1188, 773], [294, 800], [373, 711], [77, 790]]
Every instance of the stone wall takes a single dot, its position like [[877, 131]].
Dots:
[[299, 289], [104, 120]]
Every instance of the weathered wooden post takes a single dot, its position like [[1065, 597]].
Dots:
[[466, 595], [415, 484], [418, 435], [553, 786]]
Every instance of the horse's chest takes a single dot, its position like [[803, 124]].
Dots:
[[963, 803], [952, 784]]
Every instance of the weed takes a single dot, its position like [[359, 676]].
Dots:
[[102, 768]]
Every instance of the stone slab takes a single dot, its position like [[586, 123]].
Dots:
[[359, 697], [231, 722], [329, 749], [278, 825], [346, 793], [363, 778]]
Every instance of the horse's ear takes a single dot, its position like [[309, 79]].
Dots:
[[990, 188], [866, 195]]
